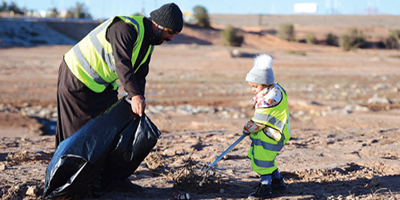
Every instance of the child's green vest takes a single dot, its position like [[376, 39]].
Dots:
[[263, 149]]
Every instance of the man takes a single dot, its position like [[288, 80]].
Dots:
[[120, 48]]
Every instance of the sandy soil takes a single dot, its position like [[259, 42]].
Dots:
[[344, 115]]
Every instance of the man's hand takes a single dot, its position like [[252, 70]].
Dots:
[[138, 104]]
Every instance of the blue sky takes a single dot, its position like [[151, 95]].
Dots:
[[107, 8]]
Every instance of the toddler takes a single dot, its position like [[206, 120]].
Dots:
[[269, 128]]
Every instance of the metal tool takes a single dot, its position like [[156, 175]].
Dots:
[[220, 157]]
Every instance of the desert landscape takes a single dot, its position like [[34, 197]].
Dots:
[[344, 111]]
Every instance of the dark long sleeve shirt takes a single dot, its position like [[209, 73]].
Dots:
[[122, 37]]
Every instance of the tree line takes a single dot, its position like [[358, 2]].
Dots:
[[78, 11]]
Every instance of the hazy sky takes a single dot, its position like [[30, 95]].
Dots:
[[108, 8]]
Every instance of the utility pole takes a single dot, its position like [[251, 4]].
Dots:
[[332, 5], [373, 7]]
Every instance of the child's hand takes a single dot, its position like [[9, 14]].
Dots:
[[273, 134], [252, 127]]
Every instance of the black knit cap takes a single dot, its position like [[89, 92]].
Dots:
[[168, 16]]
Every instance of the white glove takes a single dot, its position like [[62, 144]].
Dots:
[[252, 127], [273, 134]]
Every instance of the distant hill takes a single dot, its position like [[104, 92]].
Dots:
[[30, 32], [386, 21]]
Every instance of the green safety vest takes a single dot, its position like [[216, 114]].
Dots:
[[92, 59], [263, 149]]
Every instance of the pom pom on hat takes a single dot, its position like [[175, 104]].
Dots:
[[261, 72]]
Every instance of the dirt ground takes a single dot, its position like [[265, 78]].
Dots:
[[344, 109]]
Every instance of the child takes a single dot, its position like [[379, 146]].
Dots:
[[269, 128]]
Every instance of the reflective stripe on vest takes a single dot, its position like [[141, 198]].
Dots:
[[269, 146], [139, 40], [269, 118], [92, 60], [261, 163], [276, 116]]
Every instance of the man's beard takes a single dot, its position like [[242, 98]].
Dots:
[[157, 39]]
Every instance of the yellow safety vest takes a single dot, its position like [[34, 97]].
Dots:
[[263, 149], [92, 59]]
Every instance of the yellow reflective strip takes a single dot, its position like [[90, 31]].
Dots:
[[263, 158], [75, 67]]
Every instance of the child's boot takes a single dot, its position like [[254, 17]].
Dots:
[[263, 191], [278, 184]]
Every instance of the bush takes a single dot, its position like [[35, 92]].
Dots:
[[201, 15], [331, 39], [352, 40], [13, 7], [78, 12], [54, 13], [230, 37], [311, 39], [297, 53], [286, 31], [393, 41]]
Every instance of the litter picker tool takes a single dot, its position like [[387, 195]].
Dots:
[[220, 157]]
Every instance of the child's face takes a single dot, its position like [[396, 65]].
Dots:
[[255, 87]]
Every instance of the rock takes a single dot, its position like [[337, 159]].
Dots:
[[378, 100], [375, 182], [169, 152], [235, 53], [31, 190], [380, 86], [361, 108], [3, 166]]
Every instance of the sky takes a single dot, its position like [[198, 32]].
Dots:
[[102, 9]]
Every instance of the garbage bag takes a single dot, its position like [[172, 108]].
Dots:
[[130, 150], [81, 158]]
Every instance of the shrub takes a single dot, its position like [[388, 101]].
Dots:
[[393, 41], [13, 7], [311, 39], [331, 39], [80, 11], [230, 37], [201, 15], [54, 13], [286, 31], [297, 53], [352, 40]]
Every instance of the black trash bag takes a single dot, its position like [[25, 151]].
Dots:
[[80, 158], [131, 150]]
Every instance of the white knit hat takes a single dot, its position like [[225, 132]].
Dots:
[[261, 72]]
